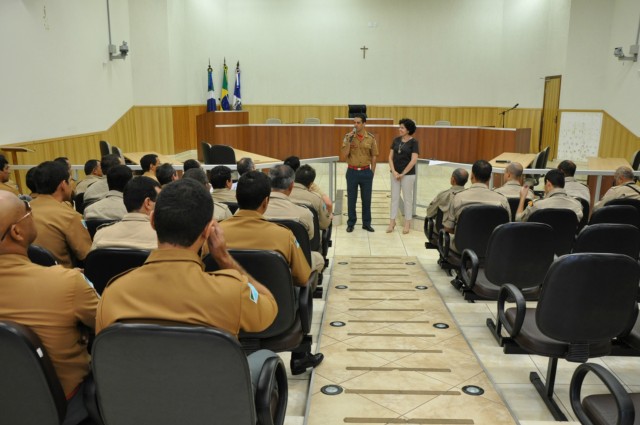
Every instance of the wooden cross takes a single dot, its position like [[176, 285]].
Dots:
[[364, 51]]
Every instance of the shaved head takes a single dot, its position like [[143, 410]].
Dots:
[[515, 169]]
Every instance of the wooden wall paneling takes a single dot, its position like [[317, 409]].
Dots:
[[154, 130], [616, 140], [184, 133], [122, 133]]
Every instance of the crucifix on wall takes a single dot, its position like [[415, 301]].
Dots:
[[364, 51]]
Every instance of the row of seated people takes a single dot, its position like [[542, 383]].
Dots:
[[61, 224]]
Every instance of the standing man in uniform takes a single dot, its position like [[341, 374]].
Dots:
[[360, 151]]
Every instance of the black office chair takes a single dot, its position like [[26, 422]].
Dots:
[[609, 237], [223, 154], [105, 148], [78, 202], [357, 109], [233, 206], [206, 153], [586, 301], [473, 229], [40, 255], [432, 227], [620, 214], [513, 206], [586, 209], [94, 224], [30, 392], [174, 373], [626, 201], [616, 407], [564, 223], [635, 161], [102, 265]]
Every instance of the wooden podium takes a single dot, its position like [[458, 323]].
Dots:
[[206, 126]]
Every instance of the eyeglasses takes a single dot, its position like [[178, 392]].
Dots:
[[28, 208]]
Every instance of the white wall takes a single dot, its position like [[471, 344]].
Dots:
[[55, 76]]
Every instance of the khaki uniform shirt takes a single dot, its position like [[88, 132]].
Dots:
[[96, 191], [281, 206], [476, 194], [134, 231], [224, 195], [221, 211], [360, 156], [111, 207], [9, 187], [250, 230], [511, 189], [576, 189], [51, 301], [84, 184], [150, 174], [60, 230], [557, 198], [442, 201], [171, 285], [301, 194], [628, 190]]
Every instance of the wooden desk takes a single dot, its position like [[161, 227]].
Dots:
[[597, 183], [12, 151], [257, 159], [136, 156], [525, 159]]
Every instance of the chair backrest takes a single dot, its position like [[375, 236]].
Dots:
[[626, 201], [541, 161], [442, 123], [42, 256], [223, 154], [274, 121], [513, 205], [564, 223], [30, 392], [117, 151], [171, 374], [475, 226], [357, 109], [545, 160], [621, 214], [206, 153], [609, 237], [233, 206], [102, 265], [94, 224], [105, 148], [312, 120], [635, 161], [300, 234], [78, 202], [588, 298], [586, 208], [272, 270], [316, 240], [520, 254]]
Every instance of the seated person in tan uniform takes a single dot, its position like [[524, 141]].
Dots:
[[149, 163], [221, 183], [477, 194], [441, 202], [65, 161], [60, 228], [5, 177], [248, 229], [191, 163], [294, 162], [555, 197], [220, 211], [171, 285], [513, 182], [93, 172], [624, 187], [134, 230], [52, 301], [302, 193], [111, 207], [571, 185], [166, 174], [244, 165], [99, 189]]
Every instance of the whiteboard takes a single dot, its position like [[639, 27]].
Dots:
[[579, 135]]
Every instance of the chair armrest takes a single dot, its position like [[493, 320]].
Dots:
[[305, 303], [506, 291], [271, 392], [91, 399], [443, 243], [626, 411], [469, 256], [429, 225]]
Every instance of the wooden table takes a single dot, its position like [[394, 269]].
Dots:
[[12, 151], [525, 159], [597, 182], [134, 157], [257, 159]]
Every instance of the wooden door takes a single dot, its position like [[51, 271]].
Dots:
[[549, 121]]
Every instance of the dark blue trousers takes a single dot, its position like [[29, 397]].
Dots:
[[363, 179]]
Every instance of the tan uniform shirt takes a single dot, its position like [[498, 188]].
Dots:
[[224, 195], [221, 211], [476, 194], [171, 285], [134, 231], [360, 155], [51, 301], [60, 230], [9, 187], [96, 191], [250, 230], [150, 174], [281, 206], [111, 207], [511, 189], [442, 201], [84, 184], [557, 198], [628, 190], [301, 194], [576, 189]]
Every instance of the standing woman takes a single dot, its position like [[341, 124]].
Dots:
[[402, 163]]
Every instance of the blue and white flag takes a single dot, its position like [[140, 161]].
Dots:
[[237, 98], [211, 99]]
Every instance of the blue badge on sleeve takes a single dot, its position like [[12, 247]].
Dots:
[[297, 244], [253, 293]]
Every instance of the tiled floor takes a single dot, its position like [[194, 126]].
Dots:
[[508, 373]]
